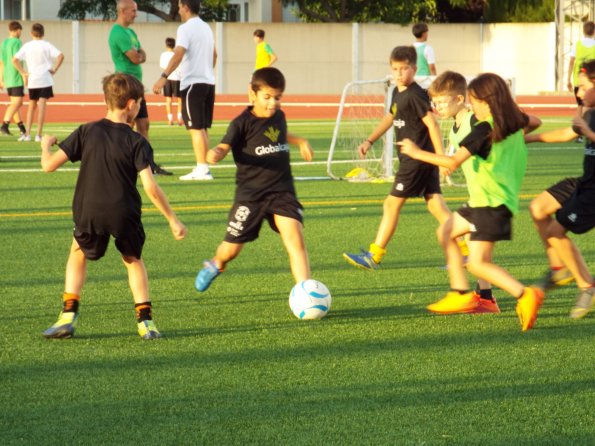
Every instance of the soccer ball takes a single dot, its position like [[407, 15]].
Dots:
[[310, 299]]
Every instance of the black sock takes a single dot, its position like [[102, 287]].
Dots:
[[486, 294], [461, 291], [71, 306], [21, 127], [5, 123], [143, 311]]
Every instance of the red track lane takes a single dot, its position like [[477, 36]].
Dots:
[[89, 107]]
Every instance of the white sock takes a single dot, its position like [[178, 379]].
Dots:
[[170, 116]]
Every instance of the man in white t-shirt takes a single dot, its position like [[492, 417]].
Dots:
[[39, 57], [196, 56]]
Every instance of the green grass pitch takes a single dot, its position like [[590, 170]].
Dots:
[[235, 367]]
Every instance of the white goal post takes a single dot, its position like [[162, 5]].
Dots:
[[363, 104]]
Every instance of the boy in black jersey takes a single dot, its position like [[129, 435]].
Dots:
[[411, 116], [572, 203], [259, 142], [106, 201]]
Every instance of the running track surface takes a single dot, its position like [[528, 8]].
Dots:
[[85, 108]]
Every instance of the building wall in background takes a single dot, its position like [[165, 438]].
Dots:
[[317, 58]]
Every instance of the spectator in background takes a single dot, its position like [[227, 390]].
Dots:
[[582, 51], [265, 56], [171, 89], [11, 79], [426, 61]]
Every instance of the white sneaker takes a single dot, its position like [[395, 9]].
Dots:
[[37, 138], [197, 174], [24, 137]]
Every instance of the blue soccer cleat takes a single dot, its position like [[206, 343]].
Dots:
[[206, 276], [64, 326], [363, 260]]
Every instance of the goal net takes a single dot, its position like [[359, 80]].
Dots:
[[363, 104]]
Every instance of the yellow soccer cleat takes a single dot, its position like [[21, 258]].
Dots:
[[147, 330], [584, 303], [64, 326], [528, 305], [455, 302]]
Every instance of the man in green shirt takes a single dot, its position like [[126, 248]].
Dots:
[[11, 79], [128, 55]]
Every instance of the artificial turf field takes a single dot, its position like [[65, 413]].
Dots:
[[236, 367]]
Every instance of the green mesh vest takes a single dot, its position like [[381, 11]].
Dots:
[[423, 68]]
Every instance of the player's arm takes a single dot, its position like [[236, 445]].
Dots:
[[59, 61], [382, 127], [451, 163], [565, 134], [570, 72], [137, 57], [434, 129], [218, 153], [17, 64], [533, 123], [51, 161], [161, 202], [173, 64], [580, 126], [215, 55], [305, 149]]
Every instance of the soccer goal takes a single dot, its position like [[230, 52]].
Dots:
[[363, 104]]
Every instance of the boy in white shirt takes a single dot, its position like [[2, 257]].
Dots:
[[39, 56], [171, 89]]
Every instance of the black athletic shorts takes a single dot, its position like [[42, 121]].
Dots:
[[16, 92], [246, 217], [39, 93], [577, 213], [94, 246], [171, 89], [488, 224], [143, 112], [198, 102], [416, 182], [562, 190]]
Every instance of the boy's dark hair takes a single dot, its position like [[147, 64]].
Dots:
[[259, 33], [419, 29], [170, 42], [507, 116], [193, 5], [588, 68], [448, 83], [589, 28], [267, 77], [37, 30], [404, 53], [14, 26], [119, 88]]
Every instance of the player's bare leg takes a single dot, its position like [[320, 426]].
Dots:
[[292, 234], [211, 269], [41, 116]]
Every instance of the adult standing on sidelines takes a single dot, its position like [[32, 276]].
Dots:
[[128, 55], [196, 55]]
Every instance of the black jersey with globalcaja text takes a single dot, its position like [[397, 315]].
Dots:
[[106, 200], [408, 107], [261, 153]]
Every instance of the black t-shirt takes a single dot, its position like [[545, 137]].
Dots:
[[408, 107], [261, 153], [106, 200], [479, 141]]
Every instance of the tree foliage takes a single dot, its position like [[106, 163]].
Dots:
[[408, 11], [167, 10]]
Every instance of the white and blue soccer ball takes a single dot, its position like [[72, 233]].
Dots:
[[310, 299]]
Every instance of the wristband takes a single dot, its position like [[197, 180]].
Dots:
[[163, 75], [369, 142]]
